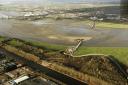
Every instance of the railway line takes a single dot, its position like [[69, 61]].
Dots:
[[46, 70]]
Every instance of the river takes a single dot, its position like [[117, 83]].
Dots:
[[63, 32]]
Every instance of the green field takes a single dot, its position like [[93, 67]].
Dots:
[[103, 24], [1, 38], [111, 25], [120, 53]]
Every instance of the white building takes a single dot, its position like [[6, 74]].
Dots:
[[2, 16], [28, 14], [18, 80]]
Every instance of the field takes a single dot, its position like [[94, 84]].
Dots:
[[89, 65], [119, 53], [104, 25]]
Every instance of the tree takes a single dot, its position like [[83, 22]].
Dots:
[[124, 8]]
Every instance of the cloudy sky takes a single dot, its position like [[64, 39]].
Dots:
[[51, 1]]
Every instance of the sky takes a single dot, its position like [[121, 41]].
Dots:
[[53, 1]]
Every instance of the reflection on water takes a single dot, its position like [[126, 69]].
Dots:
[[63, 32]]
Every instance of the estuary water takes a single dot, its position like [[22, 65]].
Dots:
[[63, 32]]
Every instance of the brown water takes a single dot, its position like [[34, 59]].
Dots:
[[63, 32]]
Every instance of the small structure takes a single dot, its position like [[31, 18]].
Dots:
[[2, 16], [10, 66], [94, 21], [70, 51], [18, 80], [28, 14], [95, 18]]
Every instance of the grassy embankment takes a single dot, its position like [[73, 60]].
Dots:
[[111, 25], [59, 68], [103, 24], [2, 38], [116, 52], [120, 53]]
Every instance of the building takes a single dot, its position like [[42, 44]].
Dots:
[[18, 80]]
